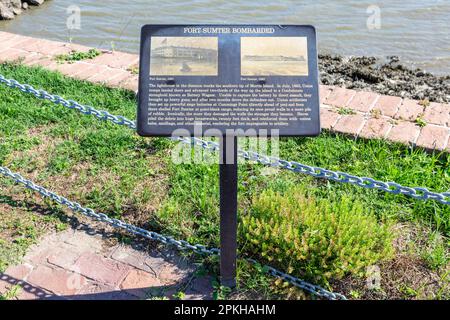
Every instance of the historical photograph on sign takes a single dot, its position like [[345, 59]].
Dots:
[[184, 56], [274, 56]]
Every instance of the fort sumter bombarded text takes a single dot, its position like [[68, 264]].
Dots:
[[228, 105]]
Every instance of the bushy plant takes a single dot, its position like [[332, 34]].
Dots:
[[315, 239]]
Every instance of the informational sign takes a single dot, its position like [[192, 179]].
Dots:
[[228, 81], [239, 80]]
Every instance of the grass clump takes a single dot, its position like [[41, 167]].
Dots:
[[421, 122], [346, 111], [313, 238], [436, 253], [77, 56]]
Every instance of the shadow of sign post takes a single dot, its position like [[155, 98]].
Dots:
[[228, 81]]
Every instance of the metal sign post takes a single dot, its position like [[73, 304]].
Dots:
[[228, 210], [235, 81]]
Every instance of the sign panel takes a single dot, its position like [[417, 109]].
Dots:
[[237, 80]]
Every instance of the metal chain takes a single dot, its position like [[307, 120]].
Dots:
[[87, 110], [418, 193], [179, 244], [76, 207]]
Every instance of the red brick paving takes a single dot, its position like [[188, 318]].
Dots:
[[404, 132], [90, 71], [350, 124], [72, 69], [339, 97], [328, 117], [13, 41], [375, 128], [105, 76], [433, 137], [363, 101], [131, 83], [101, 269], [388, 105], [59, 281], [11, 54], [116, 60], [64, 258], [40, 60], [19, 272], [437, 113], [76, 265], [113, 69], [324, 92], [138, 283], [409, 110]]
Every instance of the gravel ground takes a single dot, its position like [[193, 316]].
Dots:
[[386, 77]]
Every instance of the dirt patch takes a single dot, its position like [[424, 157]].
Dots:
[[388, 77], [407, 276]]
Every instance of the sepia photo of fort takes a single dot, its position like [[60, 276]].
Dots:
[[274, 56], [184, 56]]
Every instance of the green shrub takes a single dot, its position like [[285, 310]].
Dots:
[[313, 238]]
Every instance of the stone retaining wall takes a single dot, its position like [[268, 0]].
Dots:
[[357, 113]]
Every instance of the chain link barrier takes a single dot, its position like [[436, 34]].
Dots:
[[419, 193], [167, 240], [87, 110]]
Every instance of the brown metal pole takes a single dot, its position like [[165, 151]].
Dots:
[[228, 210]]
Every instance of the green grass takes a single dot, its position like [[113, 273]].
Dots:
[[77, 56], [346, 111], [421, 122], [19, 230], [112, 170]]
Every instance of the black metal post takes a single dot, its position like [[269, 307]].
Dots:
[[228, 210]]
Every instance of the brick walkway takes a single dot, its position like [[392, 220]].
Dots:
[[82, 264], [355, 113]]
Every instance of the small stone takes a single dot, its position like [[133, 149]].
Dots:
[[6, 13], [15, 3], [35, 2], [24, 5], [420, 73]]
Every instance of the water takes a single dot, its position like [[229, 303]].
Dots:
[[417, 31]]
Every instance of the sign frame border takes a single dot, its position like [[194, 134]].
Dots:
[[144, 64]]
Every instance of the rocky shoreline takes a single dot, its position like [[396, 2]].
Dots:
[[9, 9], [388, 77]]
